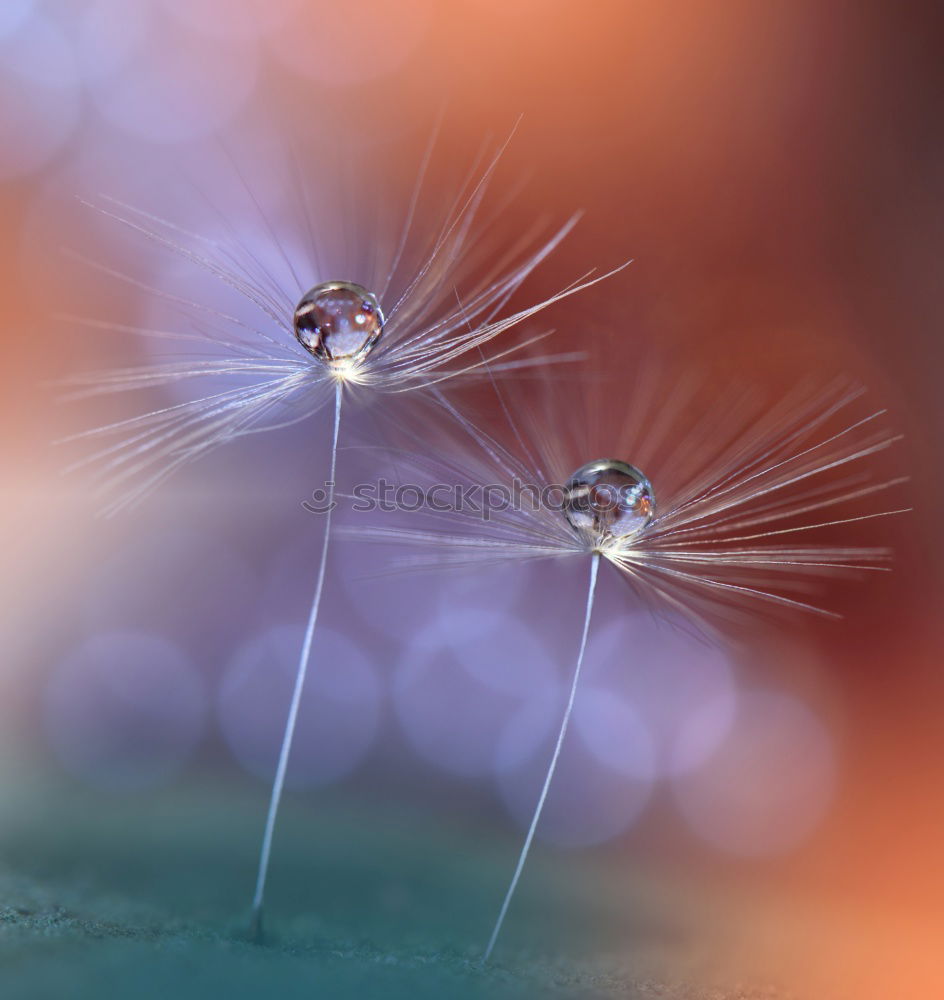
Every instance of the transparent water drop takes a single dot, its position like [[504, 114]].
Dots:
[[608, 499], [338, 321]]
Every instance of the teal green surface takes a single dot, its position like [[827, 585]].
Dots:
[[147, 897]]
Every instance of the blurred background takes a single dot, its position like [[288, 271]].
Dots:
[[775, 172]]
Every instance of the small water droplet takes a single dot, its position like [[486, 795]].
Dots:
[[338, 321], [608, 499]]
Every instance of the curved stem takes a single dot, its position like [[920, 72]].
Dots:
[[256, 931], [594, 566]]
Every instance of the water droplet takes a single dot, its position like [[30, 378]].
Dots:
[[338, 321], [608, 499]]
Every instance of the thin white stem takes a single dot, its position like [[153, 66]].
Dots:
[[303, 660], [594, 566]]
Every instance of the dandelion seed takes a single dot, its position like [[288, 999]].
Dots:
[[422, 325], [711, 551]]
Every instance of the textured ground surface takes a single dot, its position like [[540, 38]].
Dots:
[[147, 898]]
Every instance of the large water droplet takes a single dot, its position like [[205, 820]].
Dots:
[[338, 321], [608, 499]]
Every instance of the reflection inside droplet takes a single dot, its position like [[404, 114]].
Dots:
[[338, 321], [608, 500]]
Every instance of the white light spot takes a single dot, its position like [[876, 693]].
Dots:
[[669, 677], [39, 96], [339, 714], [768, 785], [174, 87], [589, 802], [124, 710], [458, 684]]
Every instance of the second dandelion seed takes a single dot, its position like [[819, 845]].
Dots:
[[738, 480]]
